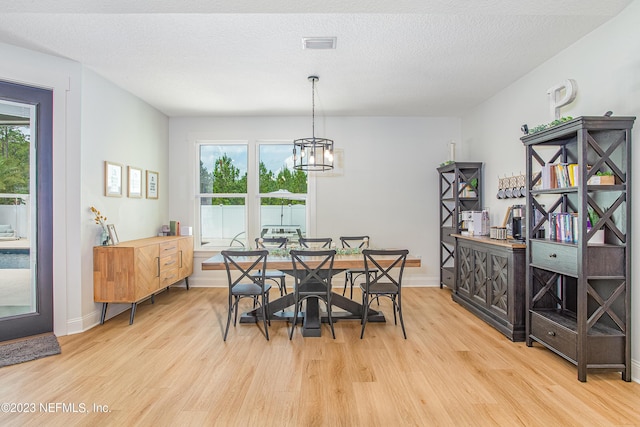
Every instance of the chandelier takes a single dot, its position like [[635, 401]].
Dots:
[[313, 154]]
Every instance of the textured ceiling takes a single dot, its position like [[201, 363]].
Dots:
[[400, 57]]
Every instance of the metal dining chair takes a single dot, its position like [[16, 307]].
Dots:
[[276, 276], [388, 283], [312, 282], [247, 285], [316, 242], [352, 274]]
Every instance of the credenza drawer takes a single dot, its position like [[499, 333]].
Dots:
[[448, 277], [555, 257], [169, 277], [599, 260], [168, 248], [169, 261], [553, 334]]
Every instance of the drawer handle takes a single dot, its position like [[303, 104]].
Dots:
[[552, 255], [551, 333], [169, 263]]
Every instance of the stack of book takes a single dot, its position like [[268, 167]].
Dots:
[[559, 175], [563, 227]]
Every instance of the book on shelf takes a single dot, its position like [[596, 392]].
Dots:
[[466, 190], [559, 175], [563, 227]]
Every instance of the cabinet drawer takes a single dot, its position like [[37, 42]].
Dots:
[[448, 278], [554, 335], [168, 262], [168, 248], [169, 277], [555, 257]]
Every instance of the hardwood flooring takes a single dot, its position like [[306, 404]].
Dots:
[[171, 367]]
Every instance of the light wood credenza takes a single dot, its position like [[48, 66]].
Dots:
[[133, 271]]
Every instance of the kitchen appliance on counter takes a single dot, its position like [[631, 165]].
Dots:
[[476, 222]]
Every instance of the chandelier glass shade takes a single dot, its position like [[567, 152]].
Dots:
[[313, 154]]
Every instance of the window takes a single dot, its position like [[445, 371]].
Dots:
[[248, 190]]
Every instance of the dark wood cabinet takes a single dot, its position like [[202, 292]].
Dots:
[[460, 190], [490, 282], [578, 288]]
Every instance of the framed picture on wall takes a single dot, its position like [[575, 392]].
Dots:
[[112, 179], [112, 234], [152, 184], [135, 182]]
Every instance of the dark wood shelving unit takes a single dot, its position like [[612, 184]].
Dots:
[[455, 197], [578, 292]]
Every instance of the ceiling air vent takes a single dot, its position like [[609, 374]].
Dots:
[[319, 42]]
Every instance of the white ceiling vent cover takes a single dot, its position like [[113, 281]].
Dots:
[[319, 42]]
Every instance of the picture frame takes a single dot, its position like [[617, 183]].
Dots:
[[152, 184], [112, 179], [134, 189], [112, 234]]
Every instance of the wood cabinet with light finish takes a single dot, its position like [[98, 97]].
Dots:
[[133, 271]]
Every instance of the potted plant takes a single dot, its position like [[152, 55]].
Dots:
[[602, 178], [592, 220]]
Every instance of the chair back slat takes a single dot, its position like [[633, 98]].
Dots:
[[391, 274], [258, 259], [322, 273], [355, 241], [316, 242], [271, 242]]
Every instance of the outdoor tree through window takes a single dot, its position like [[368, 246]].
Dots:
[[224, 198]]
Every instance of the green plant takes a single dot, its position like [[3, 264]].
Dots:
[[593, 216], [474, 183], [605, 173], [556, 122]]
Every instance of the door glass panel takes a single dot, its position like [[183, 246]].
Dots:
[[17, 209]]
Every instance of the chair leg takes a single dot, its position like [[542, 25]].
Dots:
[[265, 306], [226, 331], [295, 319], [328, 303], [235, 304], [284, 286], [364, 315], [346, 280], [400, 315], [395, 308], [351, 284]]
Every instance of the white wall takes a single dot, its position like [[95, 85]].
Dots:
[[606, 66], [93, 121], [120, 128], [388, 188]]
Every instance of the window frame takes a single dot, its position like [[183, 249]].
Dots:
[[253, 196]]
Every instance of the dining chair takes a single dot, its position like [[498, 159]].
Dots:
[[312, 282], [316, 242], [276, 276], [388, 283], [352, 274], [247, 285]]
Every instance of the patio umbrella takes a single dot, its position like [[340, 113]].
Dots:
[[283, 195]]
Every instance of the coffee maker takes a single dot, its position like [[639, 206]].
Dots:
[[518, 222]]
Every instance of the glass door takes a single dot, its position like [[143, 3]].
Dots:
[[26, 273]]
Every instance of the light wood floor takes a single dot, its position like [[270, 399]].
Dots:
[[171, 367]]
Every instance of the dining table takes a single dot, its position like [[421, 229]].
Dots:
[[312, 317]]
